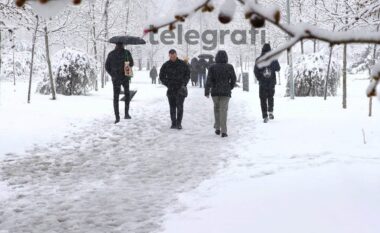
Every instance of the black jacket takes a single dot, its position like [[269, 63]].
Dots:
[[115, 63], [267, 75], [201, 66], [153, 73], [193, 69], [174, 75], [221, 78]]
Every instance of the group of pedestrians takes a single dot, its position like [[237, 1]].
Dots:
[[175, 74]]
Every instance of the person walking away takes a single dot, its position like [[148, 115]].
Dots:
[[153, 75], [194, 72], [202, 64], [115, 67], [175, 75], [267, 82], [221, 79]]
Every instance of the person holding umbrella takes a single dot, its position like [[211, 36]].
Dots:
[[175, 74], [119, 65]]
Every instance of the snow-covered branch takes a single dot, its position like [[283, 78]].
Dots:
[[375, 75]]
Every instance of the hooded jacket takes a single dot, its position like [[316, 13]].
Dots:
[[267, 75], [221, 78]]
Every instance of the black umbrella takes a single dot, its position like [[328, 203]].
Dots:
[[127, 40], [206, 56]]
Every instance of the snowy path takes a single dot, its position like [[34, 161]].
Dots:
[[109, 178], [125, 178]]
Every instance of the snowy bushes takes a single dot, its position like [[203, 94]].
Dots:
[[74, 73], [310, 71]]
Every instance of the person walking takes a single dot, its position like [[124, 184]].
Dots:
[[201, 69], [175, 74], [267, 82], [194, 71], [115, 67], [153, 75], [221, 79]]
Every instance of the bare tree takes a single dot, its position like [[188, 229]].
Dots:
[[32, 60], [52, 85]]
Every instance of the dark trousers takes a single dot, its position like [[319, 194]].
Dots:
[[116, 95], [176, 108], [266, 99], [154, 80]]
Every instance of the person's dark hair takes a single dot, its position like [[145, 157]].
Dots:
[[119, 46], [172, 51], [266, 49]]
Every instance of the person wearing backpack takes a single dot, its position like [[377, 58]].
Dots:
[[267, 82]]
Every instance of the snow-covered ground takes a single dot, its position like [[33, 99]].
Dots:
[[65, 167]]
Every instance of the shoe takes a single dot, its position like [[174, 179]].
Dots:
[[127, 117], [266, 120], [173, 127], [179, 126], [271, 116], [217, 132], [224, 135], [117, 120]]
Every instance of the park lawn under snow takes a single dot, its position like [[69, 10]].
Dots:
[[66, 159]]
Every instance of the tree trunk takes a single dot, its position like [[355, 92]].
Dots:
[[370, 107], [127, 17], [0, 52], [52, 86], [32, 60], [93, 33], [103, 74], [13, 59], [328, 73], [345, 76]]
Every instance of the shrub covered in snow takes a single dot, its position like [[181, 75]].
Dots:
[[310, 71], [74, 73]]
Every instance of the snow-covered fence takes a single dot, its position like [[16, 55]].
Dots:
[[74, 73], [310, 71]]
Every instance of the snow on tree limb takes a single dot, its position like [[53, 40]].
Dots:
[[375, 75]]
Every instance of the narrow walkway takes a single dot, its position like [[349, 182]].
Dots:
[[118, 178]]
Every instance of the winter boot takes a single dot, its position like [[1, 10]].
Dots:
[[179, 126], [224, 135], [271, 116], [127, 117], [117, 119], [174, 125], [266, 120], [217, 132]]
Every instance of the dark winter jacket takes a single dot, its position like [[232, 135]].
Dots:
[[221, 78], [153, 73], [115, 63], [201, 66], [174, 75], [193, 69], [267, 75]]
